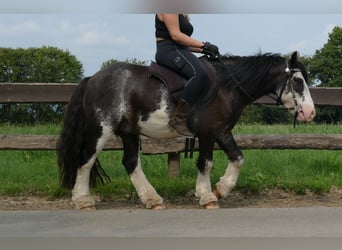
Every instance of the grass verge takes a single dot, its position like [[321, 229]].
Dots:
[[35, 172]]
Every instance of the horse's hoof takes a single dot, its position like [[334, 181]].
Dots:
[[217, 194], [88, 208], [158, 207], [211, 205], [84, 203]]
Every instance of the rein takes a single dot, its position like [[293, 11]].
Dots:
[[277, 97], [236, 82]]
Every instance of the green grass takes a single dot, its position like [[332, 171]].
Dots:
[[287, 129], [48, 129], [35, 172]]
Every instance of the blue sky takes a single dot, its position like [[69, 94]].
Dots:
[[100, 32]]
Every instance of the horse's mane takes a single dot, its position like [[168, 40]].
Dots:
[[244, 68]]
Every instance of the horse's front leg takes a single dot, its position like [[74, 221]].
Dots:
[[228, 180], [208, 199], [131, 160]]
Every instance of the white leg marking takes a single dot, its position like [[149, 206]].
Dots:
[[145, 190], [228, 180], [80, 193], [203, 185]]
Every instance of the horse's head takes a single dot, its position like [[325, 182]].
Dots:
[[295, 94]]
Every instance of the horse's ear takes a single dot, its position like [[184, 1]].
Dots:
[[294, 58]]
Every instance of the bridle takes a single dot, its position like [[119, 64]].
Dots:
[[289, 71]]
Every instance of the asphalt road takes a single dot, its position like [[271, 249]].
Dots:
[[245, 222]]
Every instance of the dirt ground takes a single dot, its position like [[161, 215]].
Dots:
[[267, 198]]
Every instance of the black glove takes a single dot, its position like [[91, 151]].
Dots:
[[211, 50]]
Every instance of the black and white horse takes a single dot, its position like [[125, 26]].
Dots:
[[124, 100]]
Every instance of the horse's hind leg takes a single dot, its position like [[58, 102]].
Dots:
[[80, 193], [131, 160], [94, 144]]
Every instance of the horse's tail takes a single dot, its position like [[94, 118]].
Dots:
[[69, 144]]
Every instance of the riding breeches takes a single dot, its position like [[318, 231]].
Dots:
[[184, 62]]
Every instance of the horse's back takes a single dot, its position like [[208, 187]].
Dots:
[[118, 82]]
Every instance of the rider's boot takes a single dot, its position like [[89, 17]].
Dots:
[[179, 117]]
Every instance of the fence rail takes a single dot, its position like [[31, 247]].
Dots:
[[61, 93], [176, 145]]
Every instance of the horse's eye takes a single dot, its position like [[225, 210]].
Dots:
[[298, 85]]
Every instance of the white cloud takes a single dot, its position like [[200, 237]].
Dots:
[[64, 26], [92, 38], [299, 46], [23, 27], [85, 34], [101, 36], [314, 42], [328, 29]]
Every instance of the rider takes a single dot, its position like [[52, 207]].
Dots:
[[174, 50]]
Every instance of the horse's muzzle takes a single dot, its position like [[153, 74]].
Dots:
[[306, 113]]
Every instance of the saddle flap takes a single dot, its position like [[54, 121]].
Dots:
[[176, 82], [171, 79]]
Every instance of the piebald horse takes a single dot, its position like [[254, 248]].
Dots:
[[124, 100]]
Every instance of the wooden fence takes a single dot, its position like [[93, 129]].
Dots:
[[60, 93]]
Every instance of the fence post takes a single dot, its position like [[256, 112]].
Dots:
[[173, 160]]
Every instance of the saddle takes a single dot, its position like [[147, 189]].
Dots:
[[175, 82]]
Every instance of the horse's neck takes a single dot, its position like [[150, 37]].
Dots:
[[263, 85], [249, 94], [252, 84]]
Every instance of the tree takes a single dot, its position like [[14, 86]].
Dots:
[[325, 70], [325, 66], [132, 61], [45, 64]]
